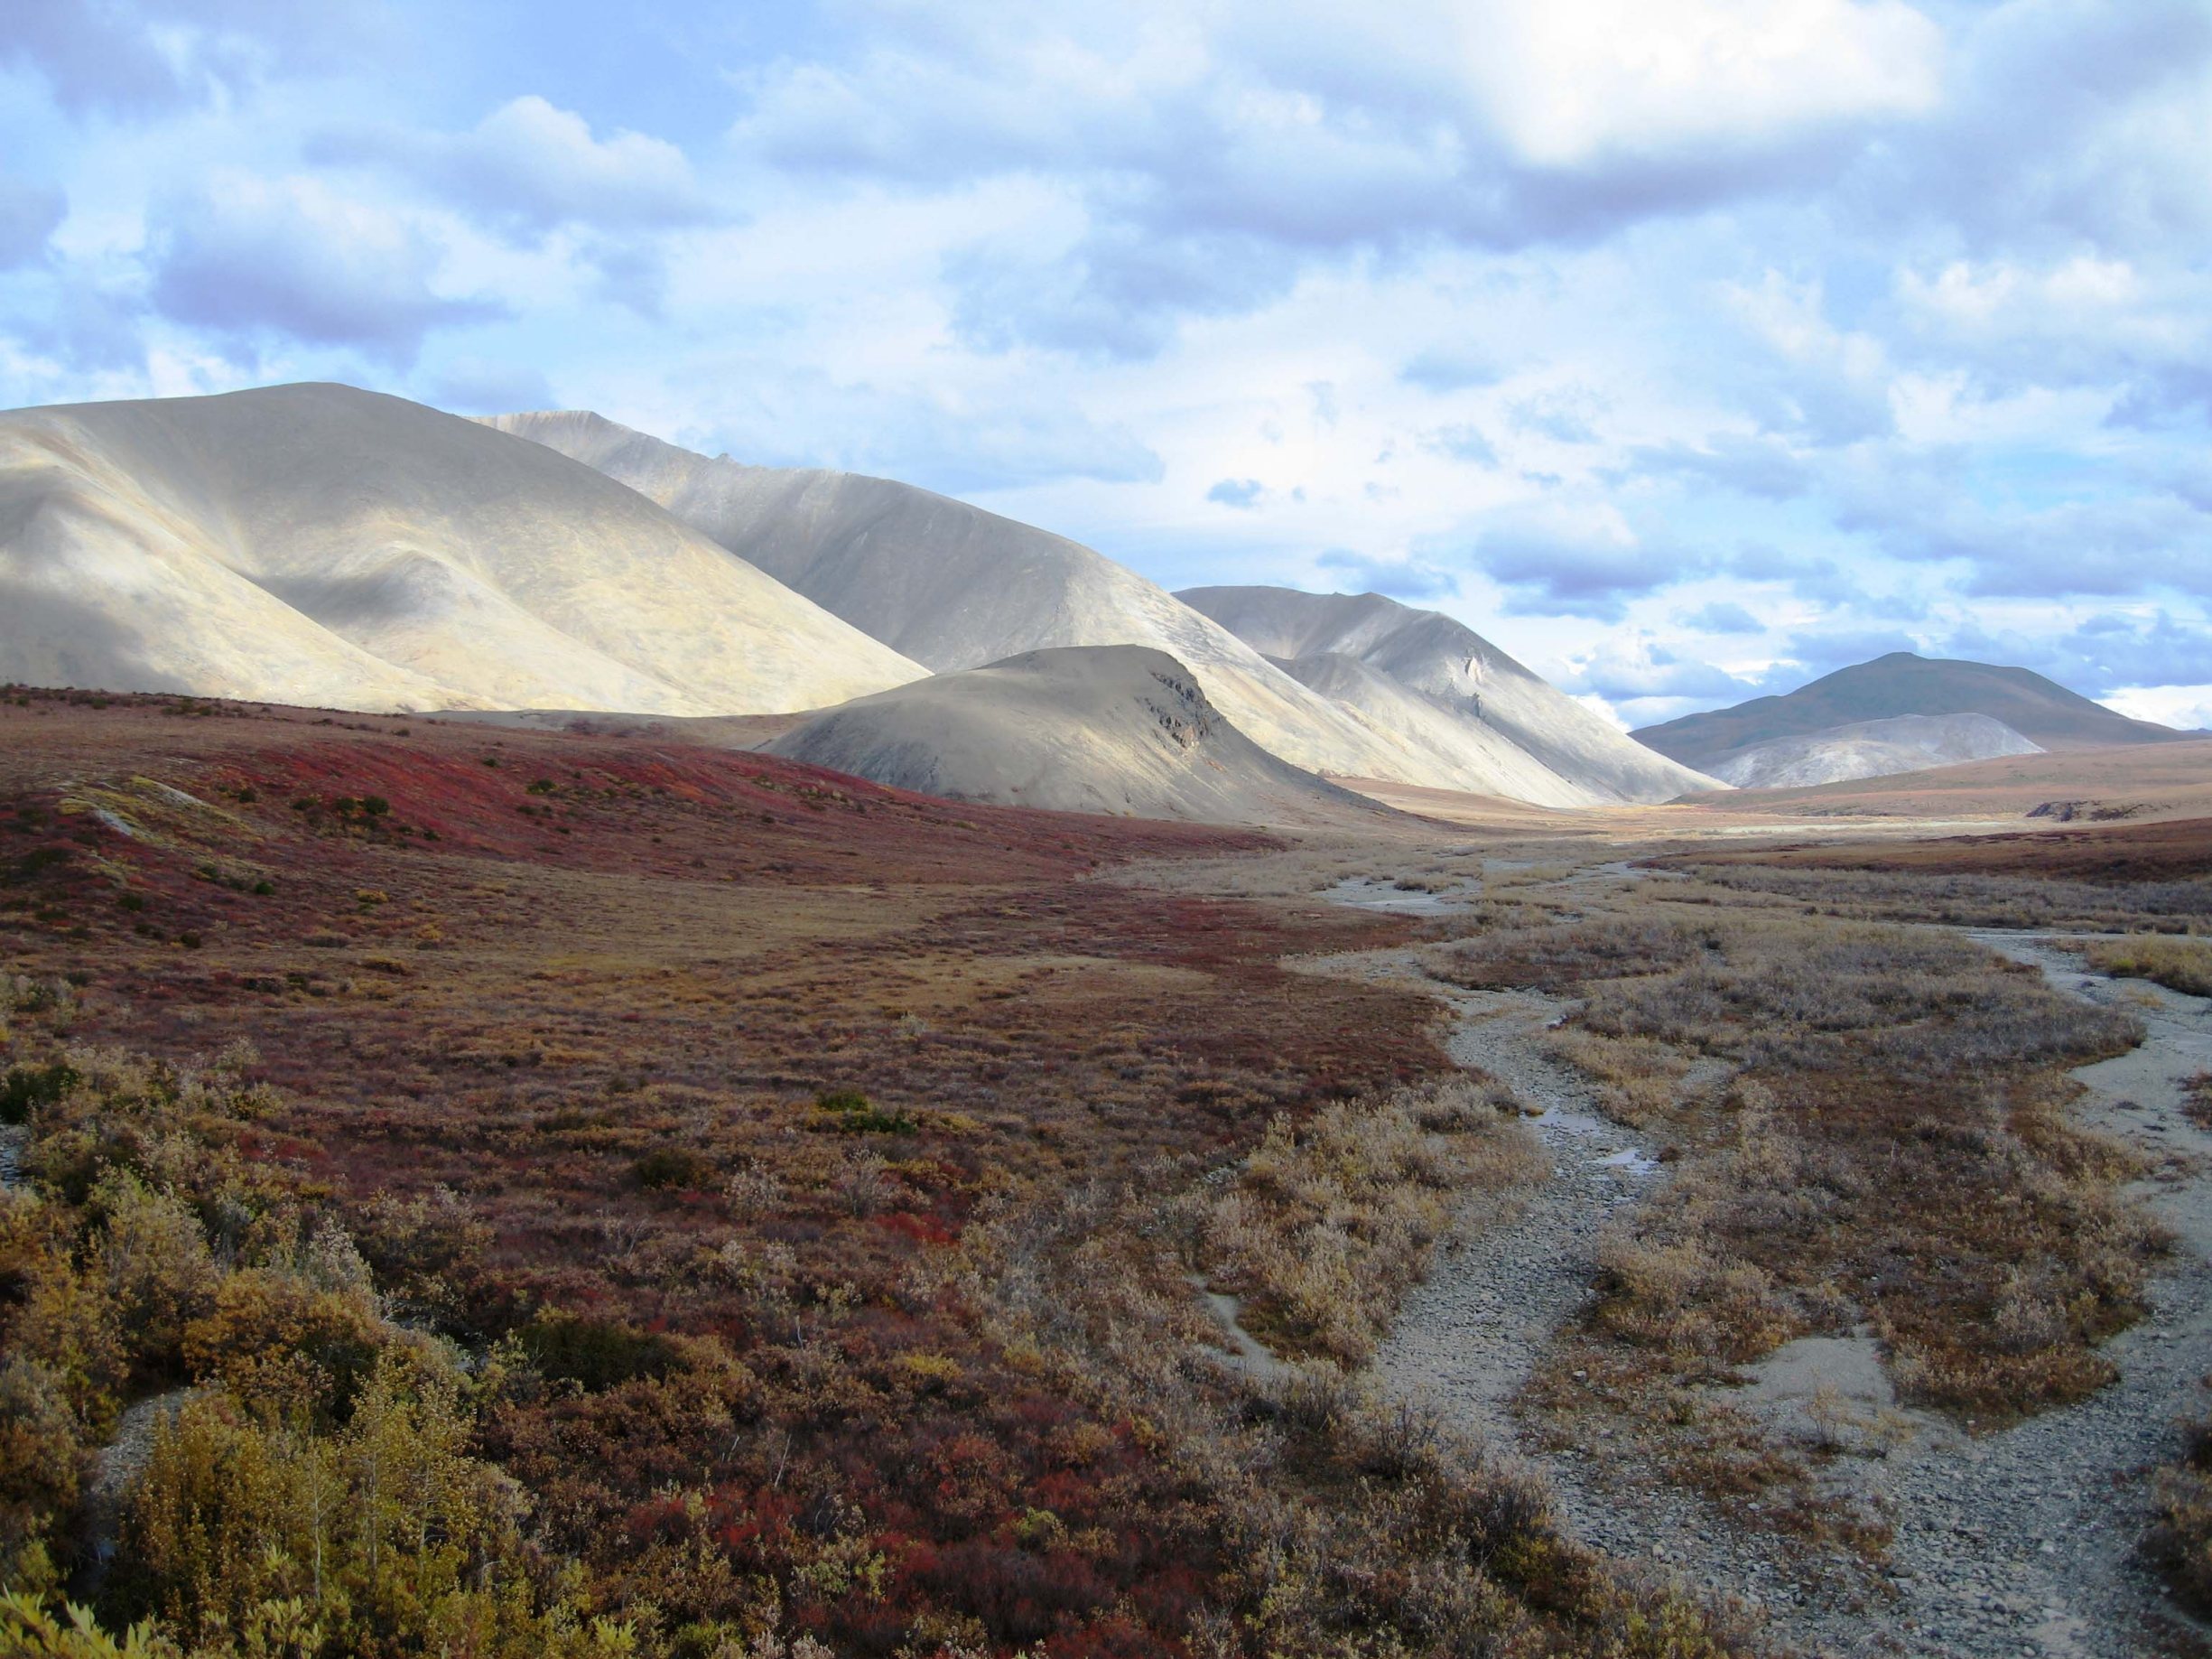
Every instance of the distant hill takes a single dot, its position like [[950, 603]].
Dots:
[[324, 545], [1122, 730], [1441, 685], [2042, 712]]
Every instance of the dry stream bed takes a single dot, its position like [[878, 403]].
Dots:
[[2023, 1540]]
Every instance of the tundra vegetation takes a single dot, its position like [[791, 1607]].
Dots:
[[477, 1193]]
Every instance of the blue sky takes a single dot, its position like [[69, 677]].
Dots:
[[1689, 349]]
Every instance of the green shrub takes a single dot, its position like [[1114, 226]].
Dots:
[[674, 1166], [37, 862], [28, 1086], [596, 1353], [852, 1114]]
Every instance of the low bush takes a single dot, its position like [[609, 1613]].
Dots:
[[675, 1166], [847, 1112], [596, 1354], [26, 1089], [2181, 1534], [2197, 1099]]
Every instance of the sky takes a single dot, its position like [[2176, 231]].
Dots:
[[1687, 348]]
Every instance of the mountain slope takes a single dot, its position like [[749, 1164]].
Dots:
[[2041, 711], [1464, 748], [1872, 749], [954, 587], [325, 546], [1103, 728], [1437, 679]]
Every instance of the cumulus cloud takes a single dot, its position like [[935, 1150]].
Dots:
[[1560, 562], [1565, 414], [531, 166], [1116, 292], [255, 258], [1574, 84], [1814, 653], [1406, 579], [2108, 544], [28, 215], [1721, 616], [1449, 368], [1467, 444], [769, 415], [140, 56], [1644, 679], [1495, 126], [2186, 708], [1754, 466]]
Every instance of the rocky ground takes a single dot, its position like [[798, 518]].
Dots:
[[2023, 1540]]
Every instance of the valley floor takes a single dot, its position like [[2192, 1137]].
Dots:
[[847, 1217]]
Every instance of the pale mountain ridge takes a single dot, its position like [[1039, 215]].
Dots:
[[954, 587], [1873, 748], [1429, 672], [325, 546], [1121, 729]]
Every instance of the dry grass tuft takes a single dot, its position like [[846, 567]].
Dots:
[[2178, 964], [2181, 1536], [2197, 1099], [1640, 1080], [1330, 1219]]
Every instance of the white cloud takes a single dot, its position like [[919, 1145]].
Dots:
[[293, 259], [535, 165], [1575, 82]]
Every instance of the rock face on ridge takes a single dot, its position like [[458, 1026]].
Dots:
[[324, 545]]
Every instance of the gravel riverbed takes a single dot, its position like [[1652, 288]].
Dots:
[[2021, 1541]]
